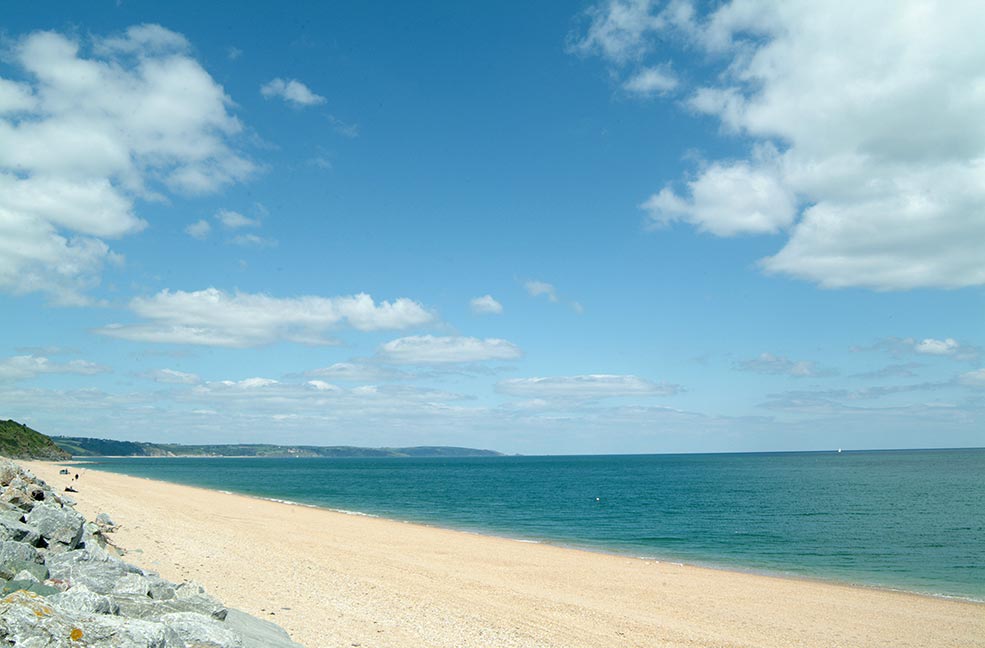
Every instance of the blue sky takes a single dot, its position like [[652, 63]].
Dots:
[[596, 227]]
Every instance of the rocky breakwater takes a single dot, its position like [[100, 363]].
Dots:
[[62, 583]]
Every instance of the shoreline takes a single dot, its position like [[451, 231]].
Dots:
[[711, 564], [602, 551], [425, 572]]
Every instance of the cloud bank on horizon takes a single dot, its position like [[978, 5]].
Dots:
[[829, 223]]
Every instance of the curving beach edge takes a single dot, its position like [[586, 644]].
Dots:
[[332, 579]]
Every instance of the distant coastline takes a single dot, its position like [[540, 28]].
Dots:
[[81, 447]]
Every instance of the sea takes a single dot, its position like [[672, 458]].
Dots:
[[903, 519]]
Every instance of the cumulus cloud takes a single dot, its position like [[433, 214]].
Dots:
[[726, 200], [291, 91], [429, 349], [172, 376], [343, 128], [798, 398], [905, 370], [872, 114], [234, 220], [357, 372], [537, 288], [930, 346], [215, 318], [84, 134], [24, 367], [590, 387], [618, 29], [200, 230], [311, 395], [947, 347], [486, 305], [973, 378], [650, 81], [253, 240], [768, 363]]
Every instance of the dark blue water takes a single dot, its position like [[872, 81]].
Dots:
[[905, 519]]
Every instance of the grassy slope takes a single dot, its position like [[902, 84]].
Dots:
[[18, 441]]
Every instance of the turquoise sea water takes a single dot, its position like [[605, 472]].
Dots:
[[911, 519]]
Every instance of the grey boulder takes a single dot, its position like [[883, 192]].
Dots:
[[93, 567], [257, 633], [16, 556], [80, 600], [57, 525], [201, 631]]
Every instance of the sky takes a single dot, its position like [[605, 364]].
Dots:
[[548, 228]]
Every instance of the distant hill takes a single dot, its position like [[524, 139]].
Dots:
[[17, 441], [85, 447]]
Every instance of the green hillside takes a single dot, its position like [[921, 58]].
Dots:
[[17, 441], [85, 447]]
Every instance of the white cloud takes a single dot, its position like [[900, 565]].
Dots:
[[536, 288], [428, 349], [321, 385], [248, 383], [215, 318], [874, 113], [292, 91], [252, 240], [16, 97], [973, 378], [650, 81], [141, 40], [234, 220], [172, 376], [947, 347], [486, 305], [590, 387], [345, 129], [930, 346], [82, 137], [768, 363], [199, 230], [311, 396], [726, 200], [357, 372], [618, 29], [24, 367]]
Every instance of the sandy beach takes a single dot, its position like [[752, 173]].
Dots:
[[333, 579]]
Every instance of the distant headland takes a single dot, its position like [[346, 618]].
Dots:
[[19, 441], [86, 447]]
